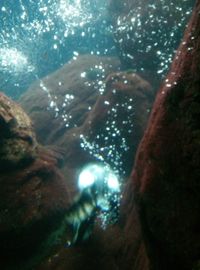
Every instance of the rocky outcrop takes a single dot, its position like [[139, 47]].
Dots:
[[117, 115], [34, 195], [106, 110], [106, 248], [62, 100], [17, 138], [165, 179]]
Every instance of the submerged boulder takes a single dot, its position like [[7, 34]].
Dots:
[[165, 179], [17, 138], [104, 110], [34, 195], [62, 100], [119, 115], [116, 115]]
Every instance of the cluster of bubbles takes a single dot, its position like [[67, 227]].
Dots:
[[38, 37], [154, 28], [110, 144]]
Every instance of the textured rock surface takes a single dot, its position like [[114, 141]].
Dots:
[[114, 117], [166, 173], [118, 116], [110, 249], [165, 180], [62, 100], [17, 138], [130, 97], [33, 193]]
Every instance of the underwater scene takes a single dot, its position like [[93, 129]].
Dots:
[[99, 134]]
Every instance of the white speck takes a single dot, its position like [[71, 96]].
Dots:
[[55, 46], [52, 104], [106, 102], [130, 56], [83, 74]]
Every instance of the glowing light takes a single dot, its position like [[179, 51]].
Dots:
[[113, 182], [98, 175], [86, 179]]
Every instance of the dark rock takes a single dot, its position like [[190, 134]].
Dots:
[[130, 97], [166, 173], [99, 119], [118, 116], [17, 138], [63, 99], [34, 194], [107, 132]]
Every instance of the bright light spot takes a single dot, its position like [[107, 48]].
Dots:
[[55, 46], [83, 74], [86, 179], [113, 182], [100, 176]]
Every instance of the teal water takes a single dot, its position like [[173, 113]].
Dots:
[[38, 37]]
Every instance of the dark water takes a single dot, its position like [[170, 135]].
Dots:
[[38, 37]]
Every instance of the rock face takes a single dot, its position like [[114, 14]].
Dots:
[[63, 99], [166, 173], [96, 123], [104, 134], [17, 137], [118, 116], [33, 193]]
